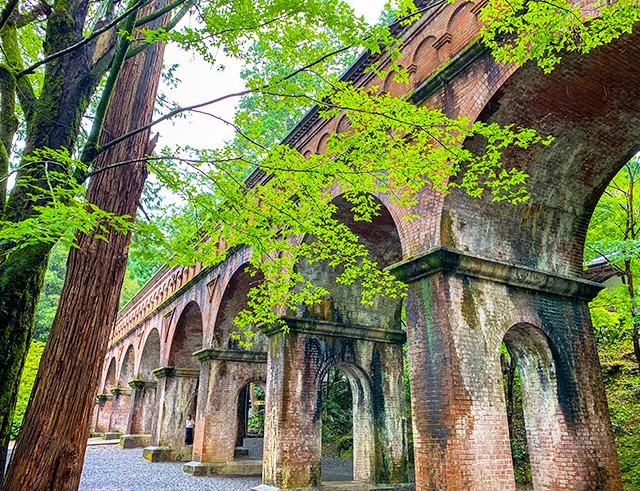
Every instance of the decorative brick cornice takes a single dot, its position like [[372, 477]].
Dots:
[[337, 329], [231, 355], [452, 261]]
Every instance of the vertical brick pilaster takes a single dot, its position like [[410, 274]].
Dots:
[[177, 396], [461, 438], [292, 432]]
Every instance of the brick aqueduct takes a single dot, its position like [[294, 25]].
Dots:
[[481, 274]]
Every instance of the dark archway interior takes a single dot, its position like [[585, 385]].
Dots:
[[187, 338], [234, 300], [592, 107], [250, 418], [150, 359], [344, 305]]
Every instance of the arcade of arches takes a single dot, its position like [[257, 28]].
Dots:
[[481, 276]]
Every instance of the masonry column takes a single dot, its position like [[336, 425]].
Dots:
[[143, 410], [121, 406], [292, 432], [177, 396], [371, 359], [103, 416], [459, 311], [227, 373]]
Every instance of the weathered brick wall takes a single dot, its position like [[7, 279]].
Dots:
[[217, 424], [459, 313], [296, 365], [177, 398], [144, 404], [120, 409], [456, 321]]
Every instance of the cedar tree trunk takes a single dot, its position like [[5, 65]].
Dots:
[[49, 454]]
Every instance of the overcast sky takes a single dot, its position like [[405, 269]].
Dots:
[[201, 82]]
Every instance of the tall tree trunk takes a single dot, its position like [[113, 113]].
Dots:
[[52, 121], [50, 450]]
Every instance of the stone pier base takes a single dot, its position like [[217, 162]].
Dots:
[[231, 468], [112, 435], [167, 454], [343, 486], [135, 441]]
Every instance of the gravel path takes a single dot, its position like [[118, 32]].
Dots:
[[109, 468]]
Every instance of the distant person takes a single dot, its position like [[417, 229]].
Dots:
[[188, 430]]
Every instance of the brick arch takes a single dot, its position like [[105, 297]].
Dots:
[[425, 58], [382, 239], [567, 177], [322, 143], [127, 366], [232, 302], [149, 355], [546, 420], [110, 375], [186, 337]]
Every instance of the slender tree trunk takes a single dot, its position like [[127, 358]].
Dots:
[[50, 451]]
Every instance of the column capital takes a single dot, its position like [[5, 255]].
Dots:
[[337, 329], [445, 260], [231, 355], [138, 384], [117, 390], [170, 371]]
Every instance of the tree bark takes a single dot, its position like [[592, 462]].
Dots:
[[52, 121], [50, 450]]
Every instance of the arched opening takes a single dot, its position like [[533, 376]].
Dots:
[[235, 300], [127, 367], [347, 427], [611, 258], [145, 405], [187, 338], [337, 427], [250, 421], [344, 304], [536, 416], [121, 406], [364, 341], [515, 419], [150, 358], [180, 385], [110, 378], [581, 105]]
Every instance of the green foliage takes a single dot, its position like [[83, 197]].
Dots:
[[612, 236], [26, 384], [337, 415], [50, 295], [622, 383], [543, 31]]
